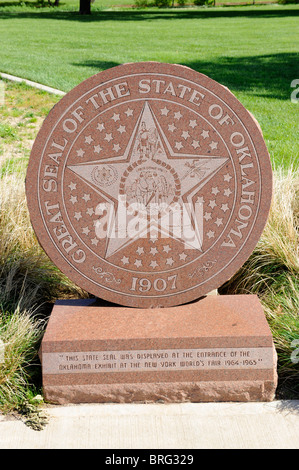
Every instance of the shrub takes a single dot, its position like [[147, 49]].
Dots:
[[284, 2], [141, 3], [203, 2], [162, 3]]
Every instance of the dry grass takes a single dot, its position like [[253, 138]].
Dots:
[[272, 272], [27, 277], [28, 281], [277, 252]]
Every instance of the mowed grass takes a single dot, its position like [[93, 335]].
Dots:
[[251, 50], [21, 116]]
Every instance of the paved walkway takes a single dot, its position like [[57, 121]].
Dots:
[[158, 426]]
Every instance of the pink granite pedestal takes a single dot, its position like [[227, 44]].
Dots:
[[218, 348]]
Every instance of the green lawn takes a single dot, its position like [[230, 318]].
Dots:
[[252, 50]]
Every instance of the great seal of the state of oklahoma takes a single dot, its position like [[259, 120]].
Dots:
[[149, 184]]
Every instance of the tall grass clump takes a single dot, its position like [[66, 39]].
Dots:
[[20, 335], [27, 277], [272, 272]]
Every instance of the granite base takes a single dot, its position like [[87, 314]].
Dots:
[[219, 348]]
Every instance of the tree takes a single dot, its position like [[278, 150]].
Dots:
[[85, 7]]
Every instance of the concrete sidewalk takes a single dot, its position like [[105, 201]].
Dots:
[[159, 426]]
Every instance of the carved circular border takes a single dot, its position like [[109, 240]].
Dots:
[[251, 128]]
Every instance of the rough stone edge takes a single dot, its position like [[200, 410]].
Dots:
[[174, 392], [39, 86]]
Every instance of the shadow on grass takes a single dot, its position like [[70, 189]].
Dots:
[[150, 15], [96, 65], [267, 76]]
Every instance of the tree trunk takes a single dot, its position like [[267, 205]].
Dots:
[[84, 7]]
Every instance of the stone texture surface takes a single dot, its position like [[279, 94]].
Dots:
[[155, 426], [144, 141], [80, 333]]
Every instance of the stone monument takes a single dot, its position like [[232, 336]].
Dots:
[[149, 186]]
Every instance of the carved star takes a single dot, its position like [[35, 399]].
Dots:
[[183, 256], [164, 111], [121, 129], [100, 126], [129, 112], [97, 148], [154, 264], [72, 186], [80, 153], [178, 115], [115, 117], [185, 135], [171, 127], [193, 172], [88, 139], [108, 137]]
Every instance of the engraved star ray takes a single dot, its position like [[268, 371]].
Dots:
[[194, 171]]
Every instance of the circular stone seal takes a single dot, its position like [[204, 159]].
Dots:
[[149, 185]]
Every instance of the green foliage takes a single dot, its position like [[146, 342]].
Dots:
[[21, 333], [7, 132], [162, 3], [141, 3], [284, 2], [204, 2]]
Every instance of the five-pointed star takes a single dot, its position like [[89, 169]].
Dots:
[[129, 112], [100, 126], [193, 171]]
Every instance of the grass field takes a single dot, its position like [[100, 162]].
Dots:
[[252, 50]]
